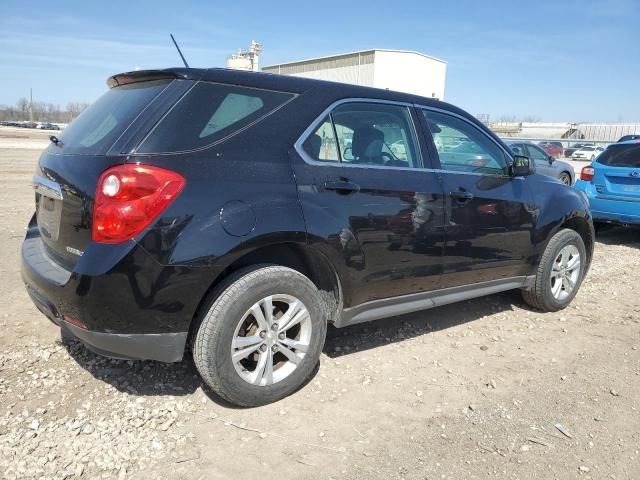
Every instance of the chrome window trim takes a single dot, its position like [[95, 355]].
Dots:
[[509, 155], [327, 112]]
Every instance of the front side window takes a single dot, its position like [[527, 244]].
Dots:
[[375, 134], [537, 154], [208, 113], [462, 147]]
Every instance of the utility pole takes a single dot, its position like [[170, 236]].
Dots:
[[31, 105]]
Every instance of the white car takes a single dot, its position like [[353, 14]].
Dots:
[[587, 153]]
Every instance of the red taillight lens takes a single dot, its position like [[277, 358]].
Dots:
[[587, 173], [75, 322], [129, 198]]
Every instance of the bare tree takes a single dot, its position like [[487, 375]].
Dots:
[[23, 107], [74, 109]]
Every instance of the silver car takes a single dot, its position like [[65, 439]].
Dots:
[[545, 164]]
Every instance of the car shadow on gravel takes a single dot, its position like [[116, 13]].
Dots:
[[627, 236], [136, 377], [366, 336], [146, 377]]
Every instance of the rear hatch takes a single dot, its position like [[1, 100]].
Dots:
[[68, 171], [617, 172]]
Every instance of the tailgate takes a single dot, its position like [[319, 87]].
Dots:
[[618, 171], [68, 172], [65, 186], [618, 181]]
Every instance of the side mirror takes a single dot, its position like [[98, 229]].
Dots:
[[551, 159], [521, 166]]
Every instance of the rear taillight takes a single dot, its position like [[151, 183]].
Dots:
[[587, 173], [129, 198]]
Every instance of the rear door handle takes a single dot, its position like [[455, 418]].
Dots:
[[342, 186], [462, 196]]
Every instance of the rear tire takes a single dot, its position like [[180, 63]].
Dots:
[[565, 178], [248, 313], [559, 274]]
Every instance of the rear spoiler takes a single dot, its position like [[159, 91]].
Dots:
[[137, 76]]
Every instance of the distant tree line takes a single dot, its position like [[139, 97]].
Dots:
[[42, 111]]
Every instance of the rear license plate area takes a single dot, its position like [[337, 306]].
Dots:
[[49, 214]]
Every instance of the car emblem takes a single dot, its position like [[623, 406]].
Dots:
[[635, 174]]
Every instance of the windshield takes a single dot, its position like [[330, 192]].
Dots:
[[621, 156], [100, 125]]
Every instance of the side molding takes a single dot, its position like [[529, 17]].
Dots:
[[391, 307]]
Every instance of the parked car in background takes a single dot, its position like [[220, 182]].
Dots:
[[587, 153], [48, 126], [555, 149], [544, 163], [612, 184], [576, 146], [629, 137], [217, 213]]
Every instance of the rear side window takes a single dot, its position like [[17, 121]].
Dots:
[[621, 156], [321, 145], [209, 113], [100, 125]]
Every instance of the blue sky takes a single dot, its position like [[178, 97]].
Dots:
[[563, 60]]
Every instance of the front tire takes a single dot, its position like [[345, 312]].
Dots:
[[261, 337], [560, 272]]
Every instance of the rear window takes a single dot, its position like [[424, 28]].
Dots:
[[621, 156], [100, 125], [209, 113]]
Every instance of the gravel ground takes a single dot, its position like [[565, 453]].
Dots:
[[482, 389]]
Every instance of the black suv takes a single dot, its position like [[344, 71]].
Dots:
[[236, 214]]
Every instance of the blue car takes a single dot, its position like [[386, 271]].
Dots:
[[612, 184]]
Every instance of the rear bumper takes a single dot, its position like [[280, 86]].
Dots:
[[622, 211], [164, 347], [131, 307]]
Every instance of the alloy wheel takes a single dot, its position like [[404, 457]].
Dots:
[[565, 272], [271, 339]]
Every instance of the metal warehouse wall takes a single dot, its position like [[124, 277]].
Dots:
[[410, 72], [353, 68], [403, 71]]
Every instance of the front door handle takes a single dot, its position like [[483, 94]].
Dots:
[[462, 196], [342, 186]]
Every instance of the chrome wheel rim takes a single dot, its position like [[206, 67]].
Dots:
[[271, 339], [565, 272], [566, 179]]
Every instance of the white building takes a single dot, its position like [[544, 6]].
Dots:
[[245, 59], [399, 70]]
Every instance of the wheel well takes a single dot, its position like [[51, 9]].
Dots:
[[303, 259], [581, 226]]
